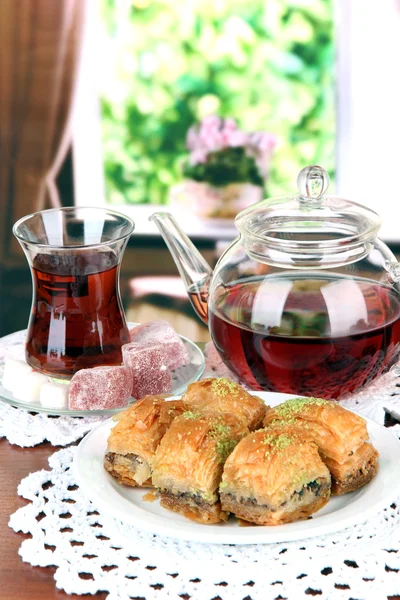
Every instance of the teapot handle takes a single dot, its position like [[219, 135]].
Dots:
[[393, 270], [391, 265]]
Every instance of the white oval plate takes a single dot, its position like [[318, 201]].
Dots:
[[127, 505]]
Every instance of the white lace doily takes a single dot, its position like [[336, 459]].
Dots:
[[26, 429], [91, 554]]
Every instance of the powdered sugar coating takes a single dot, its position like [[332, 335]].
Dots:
[[100, 388], [163, 333], [148, 362]]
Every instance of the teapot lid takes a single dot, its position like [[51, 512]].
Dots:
[[309, 223]]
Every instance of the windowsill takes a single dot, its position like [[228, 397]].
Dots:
[[194, 227]]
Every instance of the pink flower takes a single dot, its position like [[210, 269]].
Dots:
[[214, 134], [191, 138], [207, 136], [261, 146], [198, 157], [212, 140], [230, 124], [211, 122], [262, 141], [237, 138]]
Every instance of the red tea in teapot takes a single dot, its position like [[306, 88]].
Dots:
[[312, 335], [77, 320]]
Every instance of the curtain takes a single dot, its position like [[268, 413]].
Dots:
[[40, 43]]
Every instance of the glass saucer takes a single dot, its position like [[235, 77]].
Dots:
[[181, 378]]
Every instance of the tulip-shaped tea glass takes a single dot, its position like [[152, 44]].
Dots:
[[77, 320]]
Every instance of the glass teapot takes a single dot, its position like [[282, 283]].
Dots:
[[306, 300]]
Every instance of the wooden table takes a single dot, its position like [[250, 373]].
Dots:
[[19, 580]]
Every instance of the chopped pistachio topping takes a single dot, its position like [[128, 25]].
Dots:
[[224, 448], [190, 415], [224, 387], [219, 429], [278, 442], [291, 408], [223, 485], [282, 422], [221, 433]]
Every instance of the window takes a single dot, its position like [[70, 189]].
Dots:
[[158, 65], [165, 65]]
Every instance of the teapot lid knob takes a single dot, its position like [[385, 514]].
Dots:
[[312, 182]]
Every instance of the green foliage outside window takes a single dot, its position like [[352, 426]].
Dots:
[[267, 63]]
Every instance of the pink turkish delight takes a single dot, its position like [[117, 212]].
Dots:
[[100, 388], [149, 365], [163, 333]]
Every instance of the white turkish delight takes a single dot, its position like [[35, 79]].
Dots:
[[13, 369], [28, 387], [54, 395]]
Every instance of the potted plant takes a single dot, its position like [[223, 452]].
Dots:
[[226, 169]]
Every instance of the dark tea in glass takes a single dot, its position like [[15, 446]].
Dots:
[[77, 319]]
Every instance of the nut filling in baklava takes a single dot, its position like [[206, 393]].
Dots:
[[128, 469], [308, 493]]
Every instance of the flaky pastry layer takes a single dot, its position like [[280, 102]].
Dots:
[[223, 395], [195, 510], [141, 427], [359, 470], [337, 431]]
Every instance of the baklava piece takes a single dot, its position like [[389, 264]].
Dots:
[[188, 463], [134, 439], [357, 471], [225, 396], [341, 437], [273, 478]]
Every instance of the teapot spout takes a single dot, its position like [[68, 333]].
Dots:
[[194, 270]]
